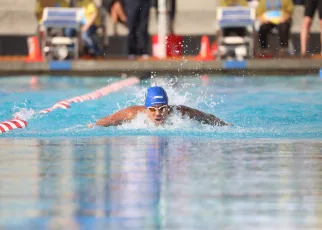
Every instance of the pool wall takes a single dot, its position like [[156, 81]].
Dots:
[[185, 65]]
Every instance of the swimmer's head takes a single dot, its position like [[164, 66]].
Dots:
[[156, 102], [156, 95]]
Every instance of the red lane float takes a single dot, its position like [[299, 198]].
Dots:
[[12, 124], [60, 104]]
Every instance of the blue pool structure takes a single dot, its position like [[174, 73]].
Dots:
[[262, 173]]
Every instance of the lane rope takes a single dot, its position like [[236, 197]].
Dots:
[[19, 123]]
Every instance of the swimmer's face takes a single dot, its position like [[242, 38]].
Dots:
[[158, 113]]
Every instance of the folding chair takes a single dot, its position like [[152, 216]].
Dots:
[[57, 45], [235, 17]]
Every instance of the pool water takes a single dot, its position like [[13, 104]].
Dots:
[[271, 107], [263, 173]]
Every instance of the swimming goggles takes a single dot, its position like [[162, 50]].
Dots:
[[161, 108]]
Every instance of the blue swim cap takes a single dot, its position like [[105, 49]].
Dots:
[[156, 95]]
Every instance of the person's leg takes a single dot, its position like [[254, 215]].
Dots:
[[132, 8], [264, 29], [310, 7], [172, 16], [90, 41], [284, 34], [142, 33]]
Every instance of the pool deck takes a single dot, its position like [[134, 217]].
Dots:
[[178, 66]]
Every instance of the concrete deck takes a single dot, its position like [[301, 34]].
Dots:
[[183, 66]]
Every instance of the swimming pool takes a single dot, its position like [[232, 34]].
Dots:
[[259, 107], [262, 173]]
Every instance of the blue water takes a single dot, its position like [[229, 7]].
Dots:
[[263, 173], [259, 107]]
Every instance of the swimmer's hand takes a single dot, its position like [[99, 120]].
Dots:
[[90, 126]]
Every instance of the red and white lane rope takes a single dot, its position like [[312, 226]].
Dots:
[[66, 104], [16, 123]]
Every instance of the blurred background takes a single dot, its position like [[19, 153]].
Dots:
[[192, 20]]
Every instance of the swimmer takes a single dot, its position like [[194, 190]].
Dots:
[[157, 110]]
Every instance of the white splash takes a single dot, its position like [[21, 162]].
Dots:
[[173, 122], [24, 113], [176, 96]]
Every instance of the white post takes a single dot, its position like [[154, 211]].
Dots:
[[162, 27]]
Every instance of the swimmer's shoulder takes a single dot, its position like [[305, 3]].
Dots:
[[135, 108], [126, 114], [132, 111]]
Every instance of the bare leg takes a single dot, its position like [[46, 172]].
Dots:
[[306, 26]]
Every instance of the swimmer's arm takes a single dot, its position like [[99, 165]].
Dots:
[[205, 118], [120, 117]]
